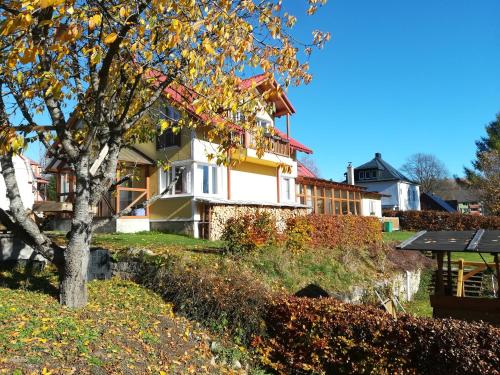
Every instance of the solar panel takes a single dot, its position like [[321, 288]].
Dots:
[[485, 241]]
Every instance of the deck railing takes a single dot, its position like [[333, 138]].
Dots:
[[275, 145]]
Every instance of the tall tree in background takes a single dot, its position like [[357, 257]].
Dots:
[[485, 175], [98, 69], [426, 169]]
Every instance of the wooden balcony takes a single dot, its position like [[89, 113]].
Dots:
[[273, 144]]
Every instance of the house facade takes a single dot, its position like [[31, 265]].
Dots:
[[206, 194], [398, 192], [25, 182]]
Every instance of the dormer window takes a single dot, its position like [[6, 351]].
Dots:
[[266, 124], [367, 175]]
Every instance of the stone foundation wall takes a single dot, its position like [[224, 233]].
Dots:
[[222, 213]]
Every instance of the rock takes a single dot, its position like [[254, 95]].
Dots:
[[215, 347], [237, 365]]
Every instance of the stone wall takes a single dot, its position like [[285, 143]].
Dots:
[[222, 213]]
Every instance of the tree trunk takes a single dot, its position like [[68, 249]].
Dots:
[[73, 291]]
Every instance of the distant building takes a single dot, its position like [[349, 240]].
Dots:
[[432, 202], [398, 192], [465, 201]]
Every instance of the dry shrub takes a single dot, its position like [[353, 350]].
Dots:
[[234, 303], [325, 336], [246, 233], [435, 220]]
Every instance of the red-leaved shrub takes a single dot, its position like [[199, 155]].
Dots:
[[344, 231], [435, 220], [325, 336]]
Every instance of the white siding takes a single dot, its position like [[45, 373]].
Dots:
[[24, 177]]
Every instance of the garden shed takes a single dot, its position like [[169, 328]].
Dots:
[[459, 290]]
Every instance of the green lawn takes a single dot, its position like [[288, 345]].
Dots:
[[155, 240], [397, 236]]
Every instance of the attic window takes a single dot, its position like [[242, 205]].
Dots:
[[368, 175], [169, 138]]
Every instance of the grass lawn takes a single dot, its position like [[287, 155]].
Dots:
[[124, 329], [150, 240], [398, 236]]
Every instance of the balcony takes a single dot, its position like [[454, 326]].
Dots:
[[273, 144]]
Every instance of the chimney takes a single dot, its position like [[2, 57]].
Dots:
[[378, 155], [350, 174]]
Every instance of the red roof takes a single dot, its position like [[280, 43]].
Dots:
[[296, 145], [303, 171], [180, 98]]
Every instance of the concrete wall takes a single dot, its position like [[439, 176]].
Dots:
[[132, 225], [13, 249]]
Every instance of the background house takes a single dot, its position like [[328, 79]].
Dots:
[[398, 192], [464, 200], [432, 202], [25, 181]]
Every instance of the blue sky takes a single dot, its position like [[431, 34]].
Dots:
[[399, 77]]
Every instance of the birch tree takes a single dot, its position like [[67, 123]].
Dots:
[[94, 70]]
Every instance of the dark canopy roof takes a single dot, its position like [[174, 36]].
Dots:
[[480, 241], [387, 171]]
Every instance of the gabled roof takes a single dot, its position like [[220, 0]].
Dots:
[[264, 82], [386, 171], [182, 94]]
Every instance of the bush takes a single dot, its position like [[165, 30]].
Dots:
[[234, 302], [325, 336], [347, 231], [248, 232], [298, 234], [435, 220]]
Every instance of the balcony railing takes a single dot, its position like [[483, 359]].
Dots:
[[272, 144]]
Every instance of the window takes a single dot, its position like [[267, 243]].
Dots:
[[286, 189], [208, 177], [367, 175], [329, 199], [169, 138], [182, 185], [264, 123]]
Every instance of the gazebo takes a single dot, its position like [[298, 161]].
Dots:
[[456, 293]]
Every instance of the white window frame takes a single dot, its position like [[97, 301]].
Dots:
[[165, 178], [287, 191], [214, 190]]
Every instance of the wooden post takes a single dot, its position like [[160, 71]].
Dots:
[[147, 189], [439, 276], [278, 183], [497, 266], [460, 279], [449, 289]]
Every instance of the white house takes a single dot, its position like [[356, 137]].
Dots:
[[25, 179], [398, 192]]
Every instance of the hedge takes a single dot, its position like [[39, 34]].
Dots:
[[344, 231], [325, 336], [435, 220]]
